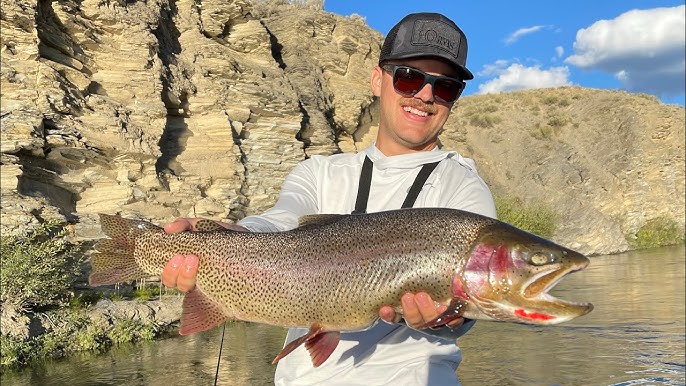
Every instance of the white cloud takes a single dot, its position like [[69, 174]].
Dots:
[[559, 51], [521, 32], [494, 69], [643, 49], [519, 77]]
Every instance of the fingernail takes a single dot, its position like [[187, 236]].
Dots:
[[191, 262], [422, 299], [176, 261]]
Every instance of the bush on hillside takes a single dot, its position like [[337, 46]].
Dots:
[[657, 232], [38, 269], [534, 218]]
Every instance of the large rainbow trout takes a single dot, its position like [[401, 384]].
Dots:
[[334, 272]]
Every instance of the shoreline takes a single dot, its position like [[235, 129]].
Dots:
[[64, 331]]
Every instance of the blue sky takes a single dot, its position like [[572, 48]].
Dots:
[[632, 45]]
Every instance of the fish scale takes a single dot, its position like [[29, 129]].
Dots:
[[335, 272]]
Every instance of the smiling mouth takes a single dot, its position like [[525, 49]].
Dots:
[[416, 111], [417, 107]]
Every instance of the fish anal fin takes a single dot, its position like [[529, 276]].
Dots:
[[318, 342], [322, 345], [292, 345], [454, 311], [200, 313]]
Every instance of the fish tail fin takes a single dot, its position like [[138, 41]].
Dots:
[[114, 261]]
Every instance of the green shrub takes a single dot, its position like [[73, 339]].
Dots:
[[657, 232], [15, 352], [550, 100], [490, 108], [484, 120], [145, 292], [72, 331], [38, 269], [85, 299], [534, 218], [126, 330], [564, 103], [541, 132], [557, 120]]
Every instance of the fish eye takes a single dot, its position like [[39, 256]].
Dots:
[[539, 258]]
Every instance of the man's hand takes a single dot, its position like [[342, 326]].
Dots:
[[418, 309], [181, 270]]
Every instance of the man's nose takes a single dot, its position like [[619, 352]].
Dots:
[[426, 93]]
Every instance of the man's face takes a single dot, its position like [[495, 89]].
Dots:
[[409, 123]]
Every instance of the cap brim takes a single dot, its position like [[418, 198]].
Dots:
[[463, 72]]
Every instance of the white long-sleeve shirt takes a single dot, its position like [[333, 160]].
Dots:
[[386, 354]]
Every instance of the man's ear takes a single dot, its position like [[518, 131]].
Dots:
[[375, 80]]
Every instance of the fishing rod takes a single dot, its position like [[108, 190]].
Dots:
[[219, 357], [221, 342]]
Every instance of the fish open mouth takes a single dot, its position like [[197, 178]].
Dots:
[[539, 285]]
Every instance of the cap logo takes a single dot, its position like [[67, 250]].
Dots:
[[437, 34]]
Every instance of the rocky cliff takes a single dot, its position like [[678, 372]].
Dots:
[[166, 108]]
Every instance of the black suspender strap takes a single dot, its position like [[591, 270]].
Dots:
[[366, 182], [363, 188], [418, 184]]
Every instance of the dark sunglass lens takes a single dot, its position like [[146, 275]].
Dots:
[[408, 80], [447, 89]]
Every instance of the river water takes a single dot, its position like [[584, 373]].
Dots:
[[634, 336]]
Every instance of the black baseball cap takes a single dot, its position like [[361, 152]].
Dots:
[[427, 34]]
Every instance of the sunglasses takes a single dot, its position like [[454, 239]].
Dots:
[[409, 80]]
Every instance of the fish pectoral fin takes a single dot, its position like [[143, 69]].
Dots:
[[200, 313], [454, 311], [318, 342]]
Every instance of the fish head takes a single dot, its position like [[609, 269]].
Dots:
[[509, 273]]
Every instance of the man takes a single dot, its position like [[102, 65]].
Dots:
[[421, 73]]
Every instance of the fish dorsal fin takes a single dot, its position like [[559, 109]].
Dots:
[[313, 220], [205, 225]]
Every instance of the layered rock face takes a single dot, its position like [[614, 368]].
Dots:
[[164, 108], [172, 108]]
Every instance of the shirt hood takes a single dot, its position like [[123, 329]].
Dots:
[[413, 160]]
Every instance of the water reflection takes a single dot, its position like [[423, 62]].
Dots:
[[189, 360], [634, 336]]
